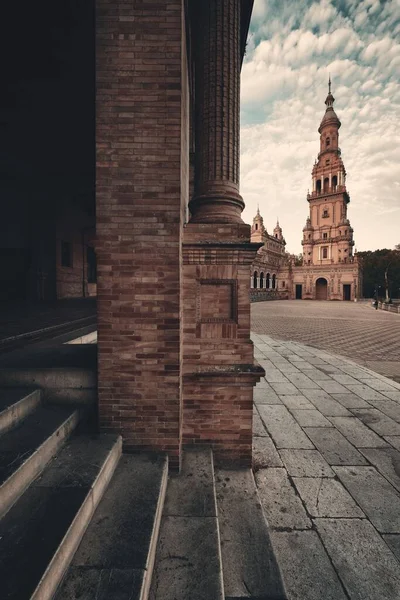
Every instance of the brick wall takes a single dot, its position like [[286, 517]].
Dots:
[[140, 200]]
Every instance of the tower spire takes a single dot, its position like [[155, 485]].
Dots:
[[329, 83]]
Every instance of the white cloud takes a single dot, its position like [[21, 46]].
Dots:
[[284, 83]]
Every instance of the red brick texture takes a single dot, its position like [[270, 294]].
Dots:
[[218, 370], [142, 189]]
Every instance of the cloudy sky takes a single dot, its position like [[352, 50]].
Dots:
[[292, 47]]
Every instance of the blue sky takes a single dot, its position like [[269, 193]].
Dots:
[[292, 47]]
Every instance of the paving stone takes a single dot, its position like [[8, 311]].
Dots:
[[376, 420], [334, 447], [317, 375], [327, 406], [393, 541], [380, 385], [377, 498], [394, 440], [365, 392], [263, 383], [282, 427], [389, 407], [275, 376], [250, 568], [393, 395], [264, 453], [285, 388], [191, 492], [344, 378], [183, 565], [265, 396], [357, 433], [310, 418], [296, 402], [258, 426], [332, 387], [387, 461], [326, 498], [281, 505], [350, 400], [306, 569], [363, 561], [302, 382], [305, 463]]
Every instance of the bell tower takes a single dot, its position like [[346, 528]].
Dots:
[[258, 231], [327, 235]]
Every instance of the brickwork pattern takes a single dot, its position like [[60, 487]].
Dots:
[[140, 202]]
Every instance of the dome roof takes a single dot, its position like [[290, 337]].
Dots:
[[330, 117]]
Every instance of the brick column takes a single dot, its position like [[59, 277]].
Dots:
[[218, 366], [141, 197], [217, 118]]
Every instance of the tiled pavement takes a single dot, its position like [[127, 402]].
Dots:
[[327, 462], [367, 336]]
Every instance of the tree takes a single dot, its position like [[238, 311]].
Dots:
[[298, 260], [381, 269]]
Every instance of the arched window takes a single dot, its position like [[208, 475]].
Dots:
[[273, 281], [267, 281], [261, 280], [334, 182], [327, 142], [256, 226], [255, 279], [326, 184], [283, 284], [318, 185]]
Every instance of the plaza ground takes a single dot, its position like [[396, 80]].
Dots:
[[327, 447], [355, 330]]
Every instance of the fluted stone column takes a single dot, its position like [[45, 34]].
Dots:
[[217, 80]]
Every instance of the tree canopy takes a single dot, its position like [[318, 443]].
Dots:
[[375, 263]]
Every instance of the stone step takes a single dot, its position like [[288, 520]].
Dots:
[[188, 559], [26, 449], [41, 532], [15, 405], [248, 561], [116, 556]]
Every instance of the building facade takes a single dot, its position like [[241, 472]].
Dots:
[[330, 270], [269, 279]]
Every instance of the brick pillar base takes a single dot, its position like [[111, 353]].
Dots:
[[218, 367]]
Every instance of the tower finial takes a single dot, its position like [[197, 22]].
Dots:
[[258, 208], [329, 83]]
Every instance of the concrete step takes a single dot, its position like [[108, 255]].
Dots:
[[26, 449], [41, 532], [116, 556], [16, 405], [188, 560], [249, 565]]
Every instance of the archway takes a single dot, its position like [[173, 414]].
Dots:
[[255, 280], [261, 280], [273, 281], [321, 289], [267, 281]]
